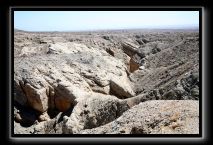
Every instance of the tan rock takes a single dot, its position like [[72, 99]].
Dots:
[[67, 95], [129, 47], [96, 110], [37, 98], [121, 88]]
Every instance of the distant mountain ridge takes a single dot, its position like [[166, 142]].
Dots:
[[117, 30]]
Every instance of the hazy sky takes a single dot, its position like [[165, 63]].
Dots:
[[96, 20]]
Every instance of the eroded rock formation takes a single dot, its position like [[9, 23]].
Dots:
[[71, 83]]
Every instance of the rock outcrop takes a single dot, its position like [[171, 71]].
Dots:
[[58, 82], [155, 117], [94, 111]]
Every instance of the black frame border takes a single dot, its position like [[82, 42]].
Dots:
[[116, 8]]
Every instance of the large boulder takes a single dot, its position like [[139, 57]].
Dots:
[[121, 88], [67, 95], [42, 85], [129, 47], [32, 89]]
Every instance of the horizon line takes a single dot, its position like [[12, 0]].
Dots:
[[116, 29]]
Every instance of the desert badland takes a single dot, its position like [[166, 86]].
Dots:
[[106, 82]]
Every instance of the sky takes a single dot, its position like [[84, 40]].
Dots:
[[103, 20]]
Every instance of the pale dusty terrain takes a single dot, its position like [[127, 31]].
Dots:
[[106, 82]]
